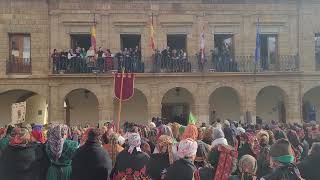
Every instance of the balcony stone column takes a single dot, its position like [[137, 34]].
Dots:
[[56, 108], [293, 108], [154, 104]]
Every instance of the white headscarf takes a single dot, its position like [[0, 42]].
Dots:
[[134, 142]]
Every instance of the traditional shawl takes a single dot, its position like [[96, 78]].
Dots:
[[56, 139]]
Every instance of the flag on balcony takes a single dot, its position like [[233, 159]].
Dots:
[[202, 45], [152, 43], [93, 36], [258, 43]]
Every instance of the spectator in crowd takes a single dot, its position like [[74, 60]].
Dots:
[[90, 59], [91, 161], [247, 169], [309, 167], [101, 62], [131, 162], [187, 152], [21, 159], [282, 157], [60, 151]]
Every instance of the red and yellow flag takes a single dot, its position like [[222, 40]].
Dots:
[[152, 43], [93, 37]]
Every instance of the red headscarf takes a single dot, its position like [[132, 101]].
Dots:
[[191, 132], [38, 135]]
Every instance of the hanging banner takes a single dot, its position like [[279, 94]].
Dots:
[[18, 112], [127, 83]]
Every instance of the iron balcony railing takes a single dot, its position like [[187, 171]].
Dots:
[[19, 66], [190, 64], [283, 63]]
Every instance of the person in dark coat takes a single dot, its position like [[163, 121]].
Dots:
[[159, 162], [263, 159], [91, 161], [184, 168], [282, 157], [21, 159], [309, 167], [131, 162]]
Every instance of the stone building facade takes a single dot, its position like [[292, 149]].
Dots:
[[236, 95]]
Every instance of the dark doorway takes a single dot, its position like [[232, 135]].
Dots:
[[130, 40], [80, 40], [177, 41], [173, 112], [223, 44]]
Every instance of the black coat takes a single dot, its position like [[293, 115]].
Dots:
[[309, 167], [91, 161], [182, 169], [129, 164], [22, 163], [286, 172], [157, 165]]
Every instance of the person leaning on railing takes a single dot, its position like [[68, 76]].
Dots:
[[90, 59], [55, 60]]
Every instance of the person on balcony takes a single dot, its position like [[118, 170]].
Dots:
[[63, 60], [109, 60], [201, 61], [165, 62], [100, 54], [83, 55], [90, 59], [174, 61], [55, 60], [71, 59], [77, 60]]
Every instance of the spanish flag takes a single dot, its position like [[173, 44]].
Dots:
[[93, 37], [152, 44]]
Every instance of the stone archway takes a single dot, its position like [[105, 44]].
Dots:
[[36, 106], [81, 107], [311, 105], [177, 103], [224, 104], [271, 104], [133, 110]]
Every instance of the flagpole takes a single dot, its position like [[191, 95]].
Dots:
[[120, 101]]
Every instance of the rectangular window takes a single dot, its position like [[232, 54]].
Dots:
[[317, 50], [19, 48], [80, 40], [19, 53], [177, 42], [269, 49], [223, 45]]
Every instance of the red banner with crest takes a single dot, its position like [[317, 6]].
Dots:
[[127, 82]]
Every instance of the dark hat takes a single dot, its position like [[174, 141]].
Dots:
[[281, 147]]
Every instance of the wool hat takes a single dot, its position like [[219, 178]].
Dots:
[[281, 147], [217, 133]]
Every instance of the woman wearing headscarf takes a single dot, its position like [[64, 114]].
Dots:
[[247, 169], [184, 168], [37, 134], [222, 157], [60, 152], [131, 162], [263, 159], [21, 159], [159, 162]]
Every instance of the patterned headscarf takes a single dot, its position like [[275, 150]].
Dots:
[[191, 132], [164, 130], [134, 142], [165, 145], [38, 135], [187, 148], [248, 165], [56, 139], [19, 137]]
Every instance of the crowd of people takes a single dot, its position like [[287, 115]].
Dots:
[[171, 60], [101, 60], [222, 151]]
